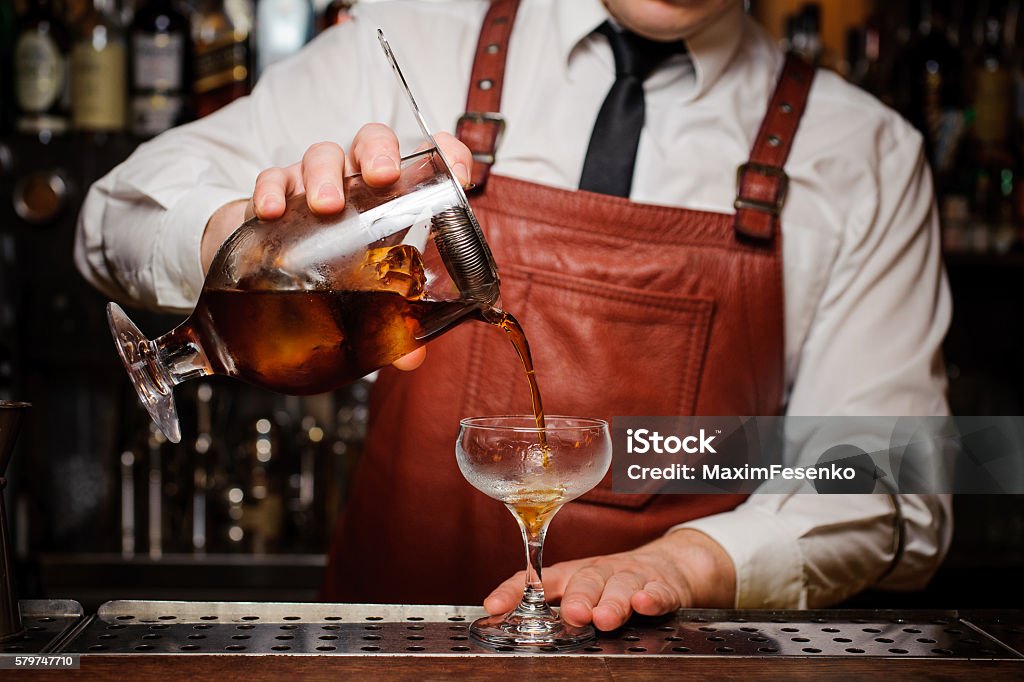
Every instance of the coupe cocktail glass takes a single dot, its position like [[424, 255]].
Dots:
[[534, 472]]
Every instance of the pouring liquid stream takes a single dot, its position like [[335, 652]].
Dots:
[[514, 331]]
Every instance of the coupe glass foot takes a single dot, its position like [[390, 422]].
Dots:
[[530, 633]]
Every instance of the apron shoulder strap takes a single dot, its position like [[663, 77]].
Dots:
[[481, 127], [761, 182]]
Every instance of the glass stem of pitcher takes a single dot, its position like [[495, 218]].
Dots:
[[181, 355]]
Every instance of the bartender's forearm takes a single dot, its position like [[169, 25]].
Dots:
[[810, 551]]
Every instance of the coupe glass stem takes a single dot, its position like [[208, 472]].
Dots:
[[533, 603]]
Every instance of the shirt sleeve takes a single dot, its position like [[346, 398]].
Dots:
[[141, 225], [874, 348]]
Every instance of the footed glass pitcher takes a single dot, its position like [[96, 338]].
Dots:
[[307, 303]]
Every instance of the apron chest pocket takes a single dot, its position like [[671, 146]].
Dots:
[[599, 350]]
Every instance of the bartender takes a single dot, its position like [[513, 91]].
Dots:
[[651, 278]]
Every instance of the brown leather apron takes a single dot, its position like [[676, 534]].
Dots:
[[631, 309]]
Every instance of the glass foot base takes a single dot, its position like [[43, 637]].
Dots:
[[140, 358], [515, 632]]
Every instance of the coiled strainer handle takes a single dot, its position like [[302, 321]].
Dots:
[[466, 255]]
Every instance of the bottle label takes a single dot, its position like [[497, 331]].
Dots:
[[947, 129], [992, 106], [39, 72], [159, 58], [42, 123], [98, 86], [221, 63], [153, 114]]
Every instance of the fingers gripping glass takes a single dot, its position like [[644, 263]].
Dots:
[[307, 303], [504, 458]]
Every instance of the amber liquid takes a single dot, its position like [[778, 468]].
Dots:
[[305, 342], [514, 331], [301, 342], [536, 508]]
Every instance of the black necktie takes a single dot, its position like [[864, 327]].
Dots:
[[608, 168]]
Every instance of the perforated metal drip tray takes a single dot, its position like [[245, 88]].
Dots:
[[131, 627], [47, 623]]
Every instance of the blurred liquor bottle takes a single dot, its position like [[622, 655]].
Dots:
[[9, 293], [873, 51], [311, 484], [1013, 33], [282, 28], [203, 452], [1014, 39], [160, 54], [8, 26], [928, 90], [810, 30], [247, 516], [41, 88], [222, 43], [803, 32], [99, 70], [989, 155], [334, 13], [1004, 225], [862, 53], [991, 95], [963, 27]]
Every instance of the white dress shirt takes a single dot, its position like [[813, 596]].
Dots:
[[866, 302]]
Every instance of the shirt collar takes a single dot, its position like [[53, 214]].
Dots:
[[575, 20], [711, 49]]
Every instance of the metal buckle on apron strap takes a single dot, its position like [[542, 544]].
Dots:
[[771, 207], [492, 117]]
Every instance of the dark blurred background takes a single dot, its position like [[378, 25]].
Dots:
[[102, 507]]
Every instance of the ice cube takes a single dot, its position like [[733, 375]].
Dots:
[[396, 268], [537, 457]]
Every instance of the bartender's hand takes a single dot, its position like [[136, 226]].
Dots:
[[682, 569], [374, 153]]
